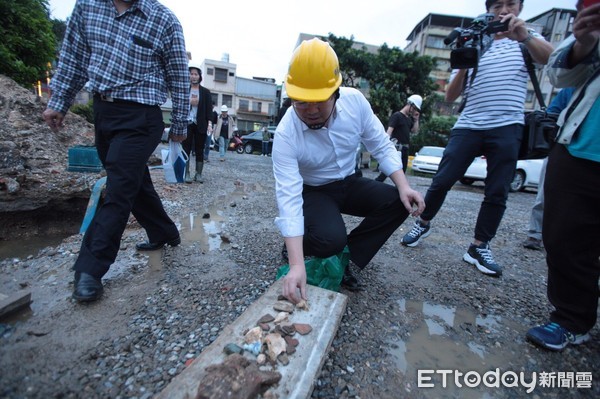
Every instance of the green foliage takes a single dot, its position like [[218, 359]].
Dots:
[[28, 43], [435, 132], [84, 110]]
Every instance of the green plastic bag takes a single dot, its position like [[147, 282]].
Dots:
[[323, 272]]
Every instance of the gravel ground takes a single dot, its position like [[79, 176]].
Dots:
[[423, 309]]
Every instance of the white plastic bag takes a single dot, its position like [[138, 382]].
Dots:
[[174, 161]]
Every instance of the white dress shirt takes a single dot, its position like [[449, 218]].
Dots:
[[318, 157]]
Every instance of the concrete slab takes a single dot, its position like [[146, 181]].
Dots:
[[298, 377], [13, 302]]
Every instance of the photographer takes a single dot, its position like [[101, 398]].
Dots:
[[491, 124]]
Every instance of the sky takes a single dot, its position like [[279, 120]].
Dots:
[[260, 36]]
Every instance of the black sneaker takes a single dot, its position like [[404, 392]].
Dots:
[[412, 238], [533, 243], [481, 257]]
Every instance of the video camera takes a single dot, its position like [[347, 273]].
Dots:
[[471, 42]]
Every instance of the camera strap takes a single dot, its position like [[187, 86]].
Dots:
[[532, 76]]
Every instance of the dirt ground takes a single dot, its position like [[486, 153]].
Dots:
[[423, 308]]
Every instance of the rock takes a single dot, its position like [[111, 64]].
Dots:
[[275, 345], [266, 318], [302, 329], [235, 378], [283, 306], [232, 348], [253, 335], [281, 316]]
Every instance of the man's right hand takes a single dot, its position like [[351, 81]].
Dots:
[[293, 281], [53, 119]]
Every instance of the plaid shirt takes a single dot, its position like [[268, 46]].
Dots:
[[138, 56]]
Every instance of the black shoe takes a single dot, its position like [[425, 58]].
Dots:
[[349, 280], [381, 177], [87, 287], [151, 246]]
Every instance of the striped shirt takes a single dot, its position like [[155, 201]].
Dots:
[[138, 55], [497, 96]]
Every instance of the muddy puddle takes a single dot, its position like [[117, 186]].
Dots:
[[445, 343]]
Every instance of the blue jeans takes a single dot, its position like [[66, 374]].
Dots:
[[207, 147], [223, 144], [500, 146], [265, 148]]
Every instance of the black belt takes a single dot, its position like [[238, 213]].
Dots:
[[109, 99]]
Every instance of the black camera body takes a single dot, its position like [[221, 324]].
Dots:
[[471, 42]]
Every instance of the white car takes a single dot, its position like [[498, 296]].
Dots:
[[527, 173], [428, 159]]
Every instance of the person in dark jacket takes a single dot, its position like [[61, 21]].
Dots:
[[199, 116]]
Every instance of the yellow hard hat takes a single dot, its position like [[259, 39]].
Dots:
[[314, 72]]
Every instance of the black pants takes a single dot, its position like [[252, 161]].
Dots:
[[126, 136], [501, 147], [196, 140], [325, 232], [571, 234], [404, 154]]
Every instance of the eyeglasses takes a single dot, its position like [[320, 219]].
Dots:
[[303, 105]]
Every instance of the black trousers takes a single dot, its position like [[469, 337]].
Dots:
[[404, 154], [571, 234], [196, 140], [325, 231], [500, 147], [126, 136]]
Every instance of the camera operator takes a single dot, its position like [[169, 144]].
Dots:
[[491, 124]]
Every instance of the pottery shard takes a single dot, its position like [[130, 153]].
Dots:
[[303, 304], [266, 319], [302, 328], [264, 326], [291, 341], [235, 378], [283, 306], [275, 345]]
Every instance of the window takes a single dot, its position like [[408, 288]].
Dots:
[[220, 75], [271, 109], [215, 98], [210, 71], [435, 42], [228, 100], [529, 97], [256, 106], [244, 105]]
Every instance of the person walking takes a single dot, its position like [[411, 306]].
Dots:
[[225, 128], [198, 119], [266, 139], [401, 125], [489, 125], [130, 54], [212, 123], [571, 228], [314, 157]]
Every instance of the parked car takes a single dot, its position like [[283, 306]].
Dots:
[[527, 173], [253, 141], [428, 159]]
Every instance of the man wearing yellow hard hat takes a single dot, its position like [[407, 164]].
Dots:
[[313, 162]]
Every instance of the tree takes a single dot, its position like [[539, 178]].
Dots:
[[392, 75], [28, 42]]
